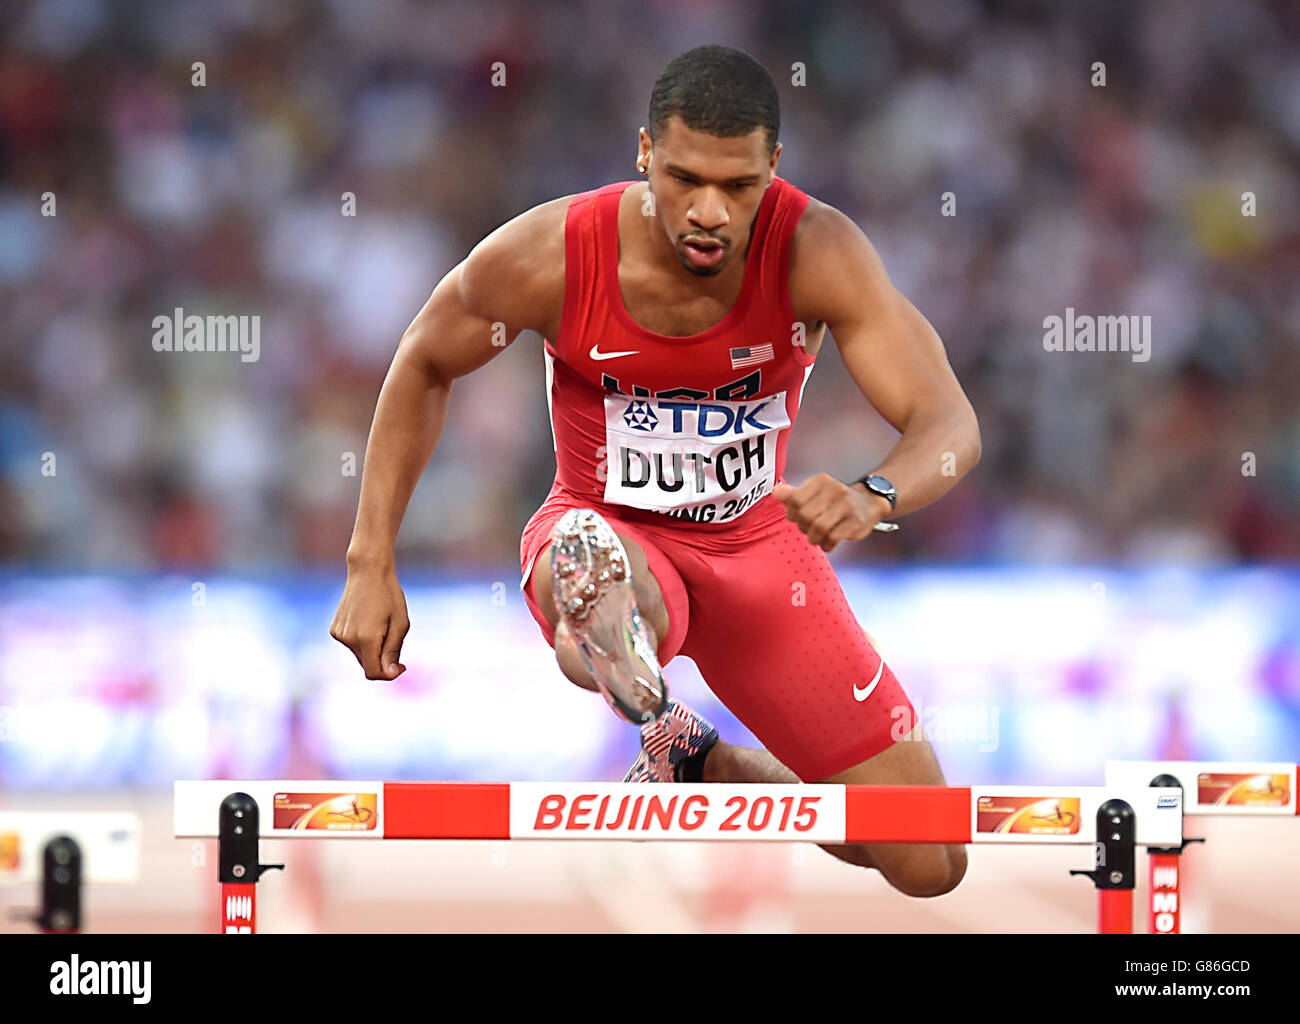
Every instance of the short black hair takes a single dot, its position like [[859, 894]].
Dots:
[[716, 90]]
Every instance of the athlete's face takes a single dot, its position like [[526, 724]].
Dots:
[[707, 190]]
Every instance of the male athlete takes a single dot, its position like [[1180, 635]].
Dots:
[[682, 317]]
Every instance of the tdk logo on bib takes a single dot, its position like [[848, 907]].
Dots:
[[702, 461]]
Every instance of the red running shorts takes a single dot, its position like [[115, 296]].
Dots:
[[761, 613]]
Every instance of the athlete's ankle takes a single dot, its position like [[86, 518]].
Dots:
[[713, 769]]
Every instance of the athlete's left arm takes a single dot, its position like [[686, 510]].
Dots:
[[897, 360]]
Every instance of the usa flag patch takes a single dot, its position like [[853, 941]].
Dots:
[[751, 355]]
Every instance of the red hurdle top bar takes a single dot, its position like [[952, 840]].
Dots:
[[470, 810], [693, 812]]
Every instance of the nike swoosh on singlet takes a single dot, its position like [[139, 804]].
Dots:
[[859, 694], [607, 355]]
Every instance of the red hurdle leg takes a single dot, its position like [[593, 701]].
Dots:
[[1115, 872], [1114, 911], [238, 908], [1166, 896]]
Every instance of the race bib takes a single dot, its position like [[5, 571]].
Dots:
[[707, 462]]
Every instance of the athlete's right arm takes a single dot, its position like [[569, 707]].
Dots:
[[512, 281]]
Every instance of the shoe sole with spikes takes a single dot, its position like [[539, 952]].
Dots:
[[591, 580]]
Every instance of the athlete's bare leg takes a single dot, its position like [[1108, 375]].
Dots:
[[917, 869], [914, 869]]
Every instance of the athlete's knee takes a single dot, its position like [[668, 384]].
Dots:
[[649, 597], [931, 871]]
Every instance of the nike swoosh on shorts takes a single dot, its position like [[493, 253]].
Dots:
[[859, 694]]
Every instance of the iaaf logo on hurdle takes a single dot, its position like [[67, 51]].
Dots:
[[102, 978]]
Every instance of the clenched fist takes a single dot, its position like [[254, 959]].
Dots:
[[371, 621], [829, 510]]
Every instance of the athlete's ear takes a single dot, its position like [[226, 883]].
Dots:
[[776, 156], [644, 145]]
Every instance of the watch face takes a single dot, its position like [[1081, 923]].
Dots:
[[879, 485]]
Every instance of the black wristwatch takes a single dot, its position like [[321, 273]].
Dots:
[[879, 485]]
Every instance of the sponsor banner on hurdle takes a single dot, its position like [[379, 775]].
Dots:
[[1217, 787], [1068, 815], [305, 809], [109, 842]]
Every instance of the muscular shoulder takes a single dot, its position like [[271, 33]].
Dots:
[[516, 274], [835, 273]]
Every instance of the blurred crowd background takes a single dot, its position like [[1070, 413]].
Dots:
[[225, 198]]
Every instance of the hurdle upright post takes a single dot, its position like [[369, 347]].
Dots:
[[1115, 873], [238, 870], [60, 887], [1166, 877]]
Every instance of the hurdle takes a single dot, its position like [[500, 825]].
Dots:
[[1216, 788], [1142, 804], [62, 852]]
